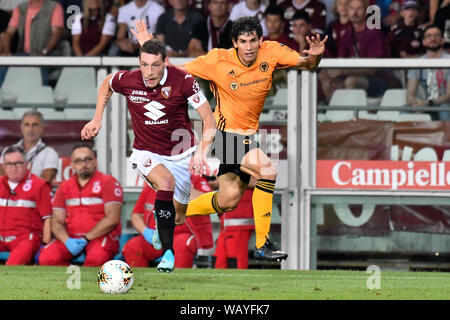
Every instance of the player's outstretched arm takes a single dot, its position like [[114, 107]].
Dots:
[[92, 128], [315, 53]]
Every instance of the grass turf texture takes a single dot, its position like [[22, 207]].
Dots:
[[37, 282]]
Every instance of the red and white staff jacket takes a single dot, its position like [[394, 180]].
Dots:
[[85, 206], [23, 209]]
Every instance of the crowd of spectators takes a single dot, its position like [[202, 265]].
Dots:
[[190, 28]]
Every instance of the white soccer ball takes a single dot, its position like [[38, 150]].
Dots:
[[114, 277]]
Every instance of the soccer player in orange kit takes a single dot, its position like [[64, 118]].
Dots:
[[240, 79]]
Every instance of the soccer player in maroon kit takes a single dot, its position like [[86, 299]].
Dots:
[[158, 96]]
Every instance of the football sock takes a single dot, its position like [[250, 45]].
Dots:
[[204, 205], [165, 218], [262, 209]]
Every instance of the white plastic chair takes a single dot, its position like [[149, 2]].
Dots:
[[76, 85], [79, 113], [19, 81], [404, 117], [345, 97], [392, 98], [52, 114], [37, 95], [7, 114]]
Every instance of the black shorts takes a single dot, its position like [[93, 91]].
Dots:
[[230, 149]]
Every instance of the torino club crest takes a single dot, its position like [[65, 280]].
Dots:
[[166, 91]]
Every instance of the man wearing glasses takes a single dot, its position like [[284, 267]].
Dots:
[[86, 214], [431, 87], [25, 206]]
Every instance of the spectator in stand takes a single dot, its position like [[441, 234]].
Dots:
[[175, 27], [300, 29], [92, 30], [236, 229], [42, 160], [191, 238], [275, 26], [24, 209], [126, 43], [428, 87], [315, 8], [39, 24], [214, 32], [359, 42], [250, 8], [337, 28], [86, 214], [442, 20], [405, 38]]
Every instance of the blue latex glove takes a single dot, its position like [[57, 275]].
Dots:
[[148, 235], [75, 245]]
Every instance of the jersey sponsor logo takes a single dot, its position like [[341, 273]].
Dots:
[[234, 86], [253, 82], [154, 111], [166, 91], [137, 96], [264, 66]]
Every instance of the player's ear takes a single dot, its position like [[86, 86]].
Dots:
[[166, 62]]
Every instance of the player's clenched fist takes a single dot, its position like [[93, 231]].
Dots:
[[90, 130]]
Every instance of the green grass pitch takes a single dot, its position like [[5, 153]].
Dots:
[[37, 282]]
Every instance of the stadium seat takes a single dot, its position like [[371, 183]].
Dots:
[[52, 113], [403, 117], [347, 98], [39, 95], [76, 85], [7, 114], [79, 113], [392, 98], [19, 81]]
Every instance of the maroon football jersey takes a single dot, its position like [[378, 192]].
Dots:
[[315, 8], [160, 115]]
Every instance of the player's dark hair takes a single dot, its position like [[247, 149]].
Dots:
[[245, 26], [301, 15], [431, 26], [275, 10], [155, 47], [83, 145]]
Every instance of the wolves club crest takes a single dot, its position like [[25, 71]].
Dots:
[[264, 66], [166, 91]]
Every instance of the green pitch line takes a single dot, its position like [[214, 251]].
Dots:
[[36, 282]]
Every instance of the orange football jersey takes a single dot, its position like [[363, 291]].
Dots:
[[240, 91]]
